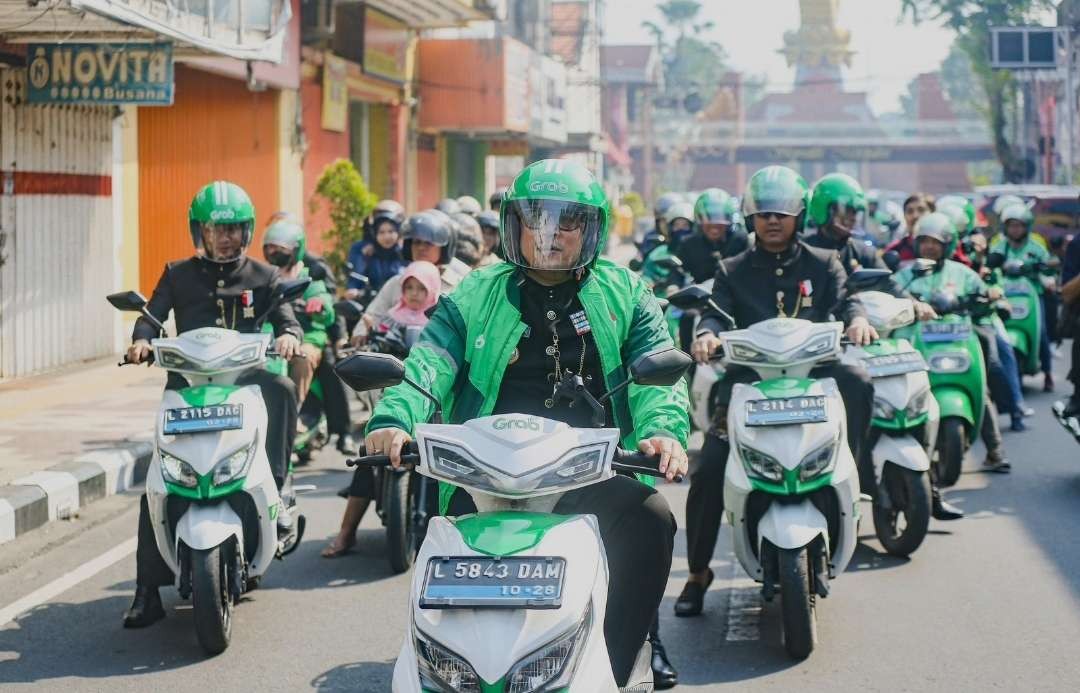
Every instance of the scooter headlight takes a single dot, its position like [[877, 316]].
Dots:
[[820, 345], [177, 471], [950, 362], [174, 359], [234, 466], [883, 410], [552, 666], [741, 351], [918, 405], [456, 467], [442, 670], [758, 464], [818, 462]]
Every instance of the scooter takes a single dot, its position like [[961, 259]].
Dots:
[[904, 422], [513, 598], [957, 376], [791, 488], [1024, 324], [212, 498]]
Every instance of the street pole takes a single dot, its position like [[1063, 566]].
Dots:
[[1071, 103], [647, 122]]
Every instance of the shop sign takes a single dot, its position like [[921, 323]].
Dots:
[[100, 73], [335, 93], [386, 43]]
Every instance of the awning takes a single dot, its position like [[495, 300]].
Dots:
[[430, 14], [242, 29]]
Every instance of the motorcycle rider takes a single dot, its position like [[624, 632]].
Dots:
[[219, 287], [498, 343], [835, 204], [658, 233], [489, 227], [716, 234], [677, 227], [916, 206], [1018, 244], [378, 255], [935, 237], [779, 277]]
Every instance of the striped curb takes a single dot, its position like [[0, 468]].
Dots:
[[57, 492]]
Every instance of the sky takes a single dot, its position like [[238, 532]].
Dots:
[[887, 55]]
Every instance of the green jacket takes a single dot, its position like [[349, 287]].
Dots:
[[465, 349], [953, 277], [651, 272], [1030, 251]]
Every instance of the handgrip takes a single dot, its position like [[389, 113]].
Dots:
[[410, 454], [640, 463]]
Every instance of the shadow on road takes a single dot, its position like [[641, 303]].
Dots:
[[869, 558], [358, 676]]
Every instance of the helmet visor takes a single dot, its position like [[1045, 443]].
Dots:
[[774, 201], [224, 242], [551, 234]]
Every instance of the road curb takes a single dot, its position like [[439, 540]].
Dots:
[[57, 492]]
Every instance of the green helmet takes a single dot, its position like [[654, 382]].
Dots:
[[221, 203], [714, 206], [964, 204], [777, 189], [287, 234], [957, 215], [835, 190], [554, 198], [1017, 212], [938, 226]]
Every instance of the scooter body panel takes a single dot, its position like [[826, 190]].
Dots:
[[704, 381], [792, 526], [1024, 326], [203, 527], [903, 451]]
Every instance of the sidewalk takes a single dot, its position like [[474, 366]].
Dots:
[[72, 437]]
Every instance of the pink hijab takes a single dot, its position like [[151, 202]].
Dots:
[[428, 275]]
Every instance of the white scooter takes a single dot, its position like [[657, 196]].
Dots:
[[210, 491], [904, 422], [791, 488], [513, 598]]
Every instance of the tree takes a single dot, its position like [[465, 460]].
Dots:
[[691, 63], [342, 188], [971, 20]]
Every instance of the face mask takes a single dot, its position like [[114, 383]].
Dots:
[[279, 259]]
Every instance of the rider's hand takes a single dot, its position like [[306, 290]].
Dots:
[[861, 332], [924, 311], [139, 351], [287, 346], [673, 460], [704, 347], [314, 306], [387, 441], [369, 250], [994, 293]]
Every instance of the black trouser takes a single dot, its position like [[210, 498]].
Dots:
[[638, 531], [279, 394], [1074, 366], [705, 501], [335, 397]]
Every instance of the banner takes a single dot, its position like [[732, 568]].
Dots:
[[100, 73], [386, 42], [335, 93]]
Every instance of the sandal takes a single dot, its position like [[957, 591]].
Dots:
[[692, 599]]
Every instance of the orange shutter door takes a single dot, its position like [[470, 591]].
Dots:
[[216, 129]]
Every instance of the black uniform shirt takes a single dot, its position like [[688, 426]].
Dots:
[[700, 256], [810, 281], [232, 295], [852, 253]]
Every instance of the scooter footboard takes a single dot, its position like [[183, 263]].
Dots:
[[903, 451], [792, 526], [206, 526]]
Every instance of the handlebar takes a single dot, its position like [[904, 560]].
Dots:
[[624, 460]]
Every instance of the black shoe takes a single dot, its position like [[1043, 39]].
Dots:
[[942, 510], [664, 675], [1072, 407], [996, 463], [346, 445], [692, 599], [145, 609]]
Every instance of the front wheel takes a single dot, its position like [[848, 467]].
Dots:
[[909, 493], [400, 528], [797, 603], [210, 600], [952, 446]]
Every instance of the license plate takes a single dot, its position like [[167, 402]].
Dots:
[[789, 410], [945, 331], [219, 417], [454, 582], [895, 364]]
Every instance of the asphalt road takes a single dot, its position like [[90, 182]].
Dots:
[[991, 602]]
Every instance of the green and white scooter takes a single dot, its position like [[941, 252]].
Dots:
[[210, 491], [1024, 324]]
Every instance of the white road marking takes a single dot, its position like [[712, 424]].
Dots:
[[744, 607], [62, 584]]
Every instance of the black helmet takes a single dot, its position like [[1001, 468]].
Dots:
[[388, 210], [495, 201], [448, 205], [432, 227], [488, 220], [469, 240]]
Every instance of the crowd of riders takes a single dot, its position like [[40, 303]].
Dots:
[[779, 248]]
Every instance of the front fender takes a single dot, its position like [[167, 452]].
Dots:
[[903, 451], [953, 401], [206, 526], [1019, 339], [792, 526]]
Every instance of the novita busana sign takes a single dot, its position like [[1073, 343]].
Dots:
[[100, 73]]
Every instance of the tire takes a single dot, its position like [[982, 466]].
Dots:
[[400, 533], [910, 494], [210, 600], [952, 445], [797, 603]]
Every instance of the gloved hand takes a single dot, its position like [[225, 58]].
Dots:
[[314, 306]]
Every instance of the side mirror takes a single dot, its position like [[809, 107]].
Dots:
[[370, 371], [670, 263], [350, 310], [995, 260], [863, 279], [292, 289], [922, 267], [663, 367], [891, 258], [127, 301], [690, 298], [635, 265]]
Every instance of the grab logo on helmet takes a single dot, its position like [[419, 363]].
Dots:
[[220, 214], [549, 186]]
